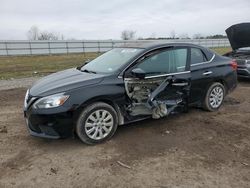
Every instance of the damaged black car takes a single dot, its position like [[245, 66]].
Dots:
[[127, 84], [239, 37]]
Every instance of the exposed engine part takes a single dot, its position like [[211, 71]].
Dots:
[[159, 111], [239, 55], [139, 90], [139, 109], [143, 94], [164, 108]]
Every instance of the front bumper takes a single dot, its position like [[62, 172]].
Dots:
[[54, 123], [41, 134], [52, 126], [51, 123]]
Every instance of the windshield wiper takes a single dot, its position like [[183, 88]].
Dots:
[[88, 71]]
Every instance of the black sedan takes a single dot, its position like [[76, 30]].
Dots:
[[239, 37], [127, 84]]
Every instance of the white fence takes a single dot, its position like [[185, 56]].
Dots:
[[17, 47]]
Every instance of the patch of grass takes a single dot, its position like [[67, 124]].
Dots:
[[222, 50], [27, 66]]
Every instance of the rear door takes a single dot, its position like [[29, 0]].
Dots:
[[202, 74]]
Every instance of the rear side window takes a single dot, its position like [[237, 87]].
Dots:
[[197, 56], [169, 61]]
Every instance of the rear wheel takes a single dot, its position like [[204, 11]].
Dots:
[[97, 123], [214, 97]]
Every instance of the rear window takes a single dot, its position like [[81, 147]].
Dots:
[[197, 56]]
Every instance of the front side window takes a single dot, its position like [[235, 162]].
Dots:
[[197, 56], [165, 62]]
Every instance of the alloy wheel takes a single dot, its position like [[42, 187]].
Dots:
[[99, 124], [216, 97]]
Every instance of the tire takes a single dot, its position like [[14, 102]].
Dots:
[[97, 123], [214, 97]]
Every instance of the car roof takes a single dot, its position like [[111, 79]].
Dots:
[[147, 46], [152, 45]]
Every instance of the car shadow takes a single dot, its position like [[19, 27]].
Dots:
[[245, 82]]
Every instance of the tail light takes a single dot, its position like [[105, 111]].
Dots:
[[234, 64]]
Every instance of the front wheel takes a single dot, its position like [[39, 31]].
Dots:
[[214, 97], [97, 123]]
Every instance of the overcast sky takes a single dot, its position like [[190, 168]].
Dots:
[[100, 19]]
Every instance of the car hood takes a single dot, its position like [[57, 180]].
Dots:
[[63, 81], [239, 35]]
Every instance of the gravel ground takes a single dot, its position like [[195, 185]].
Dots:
[[17, 83], [195, 149]]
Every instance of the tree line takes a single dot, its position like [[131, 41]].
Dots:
[[34, 33], [130, 35]]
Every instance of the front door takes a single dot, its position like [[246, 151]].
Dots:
[[164, 85]]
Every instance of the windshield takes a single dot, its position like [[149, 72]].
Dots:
[[111, 61]]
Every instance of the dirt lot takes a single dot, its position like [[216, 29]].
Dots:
[[197, 149]]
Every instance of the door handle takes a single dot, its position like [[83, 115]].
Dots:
[[180, 84], [207, 73]]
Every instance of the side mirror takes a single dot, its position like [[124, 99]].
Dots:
[[138, 73]]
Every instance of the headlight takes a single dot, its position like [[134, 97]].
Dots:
[[26, 98], [51, 101]]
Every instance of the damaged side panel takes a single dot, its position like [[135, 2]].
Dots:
[[157, 97]]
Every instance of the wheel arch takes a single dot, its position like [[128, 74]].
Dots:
[[219, 80], [104, 100], [223, 82], [205, 104]]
